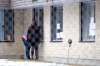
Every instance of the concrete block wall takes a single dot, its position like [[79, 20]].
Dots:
[[27, 18], [71, 30], [57, 51], [22, 3], [4, 3], [19, 30], [79, 52], [51, 49], [97, 29], [14, 49]]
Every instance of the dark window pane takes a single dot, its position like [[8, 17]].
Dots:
[[6, 25], [38, 18], [88, 21], [1, 25], [9, 25], [56, 23]]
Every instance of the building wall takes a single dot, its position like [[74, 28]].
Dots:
[[14, 49], [4, 3], [22, 3], [97, 29], [27, 18], [56, 51], [71, 29]]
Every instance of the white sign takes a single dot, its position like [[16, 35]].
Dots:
[[58, 26], [92, 27]]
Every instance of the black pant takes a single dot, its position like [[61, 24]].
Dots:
[[34, 48]]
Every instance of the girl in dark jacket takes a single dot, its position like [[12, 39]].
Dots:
[[33, 35]]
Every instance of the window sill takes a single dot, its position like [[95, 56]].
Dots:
[[87, 41], [56, 41], [7, 41]]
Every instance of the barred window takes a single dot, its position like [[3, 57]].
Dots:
[[38, 14], [88, 21], [6, 25], [56, 22]]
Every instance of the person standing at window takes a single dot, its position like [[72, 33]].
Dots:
[[27, 46], [33, 35]]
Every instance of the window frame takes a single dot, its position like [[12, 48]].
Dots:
[[81, 38], [51, 21], [40, 12], [13, 40]]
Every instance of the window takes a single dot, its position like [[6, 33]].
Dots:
[[38, 0], [34, 0], [38, 18], [88, 21], [6, 25], [56, 23]]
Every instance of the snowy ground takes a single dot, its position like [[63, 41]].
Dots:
[[4, 62]]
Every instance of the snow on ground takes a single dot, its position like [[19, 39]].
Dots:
[[4, 62]]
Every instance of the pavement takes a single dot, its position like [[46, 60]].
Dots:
[[26, 63], [5, 62]]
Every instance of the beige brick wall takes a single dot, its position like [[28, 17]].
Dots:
[[71, 30], [27, 18], [4, 3], [22, 3], [51, 49], [72, 22], [14, 48], [98, 29], [22, 20]]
